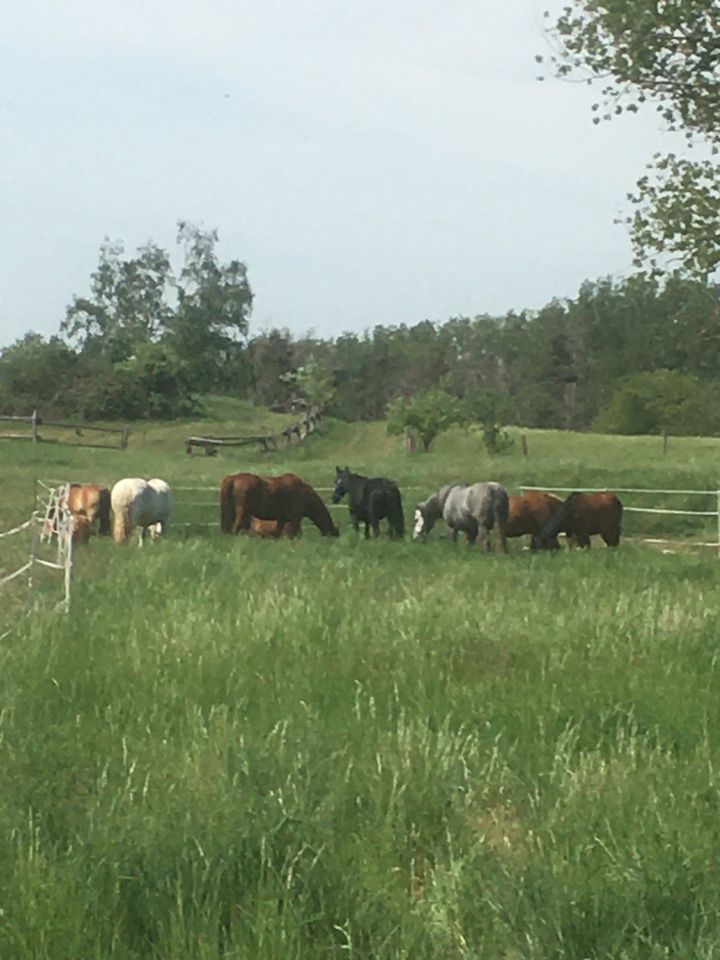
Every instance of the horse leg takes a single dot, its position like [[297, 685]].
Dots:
[[502, 538]]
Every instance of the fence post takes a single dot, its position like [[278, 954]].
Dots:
[[34, 426], [665, 442], [718, 531], [124, 438], [524, 445]]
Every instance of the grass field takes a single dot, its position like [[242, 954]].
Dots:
[[243, 749]]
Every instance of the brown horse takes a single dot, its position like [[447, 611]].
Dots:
[[582, 516], [89, 504], [286, 499], [528, 514], [273, 530]]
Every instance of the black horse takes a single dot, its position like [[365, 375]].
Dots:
[[370, 500]]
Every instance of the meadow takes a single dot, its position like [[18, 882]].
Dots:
[[248, 749]]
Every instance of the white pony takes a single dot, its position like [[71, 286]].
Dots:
[[146, 504]]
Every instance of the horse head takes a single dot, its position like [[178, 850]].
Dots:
[[341, 478], [424, 520]]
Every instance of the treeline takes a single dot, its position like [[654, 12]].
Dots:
[[638, 355]]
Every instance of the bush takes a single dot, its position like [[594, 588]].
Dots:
[[664, 401]]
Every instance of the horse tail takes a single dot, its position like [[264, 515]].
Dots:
[[558, 523], [104, 512], [227, 505], [396, 516], [122, 525]]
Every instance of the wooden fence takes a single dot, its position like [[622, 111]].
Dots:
[[35, 421], [267, 441]]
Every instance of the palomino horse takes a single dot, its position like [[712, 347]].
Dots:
[[89, 506], [528, 514], [273, 530], [475, 510], [286, 499], [370, 500], [582, 516], [143, 504]]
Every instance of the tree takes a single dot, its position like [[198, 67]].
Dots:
[[127, 305], [663, 401], [666, 54], [214, 302], [426, 414], [315, 382]]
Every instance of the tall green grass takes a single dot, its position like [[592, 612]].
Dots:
[[233, 748]]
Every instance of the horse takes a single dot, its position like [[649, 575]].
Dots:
[[146, 504], [89, 507], [472, 509], [528, 513], [273, 529], [370, 499], [286, 499], [89, 504], [583, 515]]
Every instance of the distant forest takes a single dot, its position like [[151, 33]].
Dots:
[[638, 355]]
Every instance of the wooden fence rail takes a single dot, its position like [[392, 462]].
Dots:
[[36, 421], [267, 441]]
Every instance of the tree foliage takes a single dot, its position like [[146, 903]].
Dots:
[[426, 415], [665, 54]]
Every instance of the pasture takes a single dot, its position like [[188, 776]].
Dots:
[[236, 748]]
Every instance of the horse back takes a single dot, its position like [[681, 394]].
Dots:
[[529, 512]]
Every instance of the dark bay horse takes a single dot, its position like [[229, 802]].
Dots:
[[286, 499], [528, 513], [584, 515], [474, 510], [370, 499]]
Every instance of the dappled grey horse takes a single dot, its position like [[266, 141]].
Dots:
[[474, 510]]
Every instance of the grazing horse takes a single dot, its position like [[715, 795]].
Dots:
[[89, 503], [472, 509], [286, 499], [528, 514], [272, 529], [583, 515], [370, 500], [145, 504]]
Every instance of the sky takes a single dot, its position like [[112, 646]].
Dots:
[[370, 162]]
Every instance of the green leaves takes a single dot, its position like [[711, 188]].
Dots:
[[666, 54]]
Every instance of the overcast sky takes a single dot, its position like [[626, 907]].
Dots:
[[371, 162]]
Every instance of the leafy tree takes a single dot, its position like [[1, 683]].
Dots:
[[665, 54], [664, 401], [493, 410], [426, 414], [128, 302], [315, 382], [214, 302], [36, 373]]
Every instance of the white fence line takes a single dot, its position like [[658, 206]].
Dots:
[[656, 510], [548, 487]]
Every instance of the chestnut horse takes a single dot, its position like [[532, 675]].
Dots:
[[583, 515], [272, 529], [286, 499], [528, 513]]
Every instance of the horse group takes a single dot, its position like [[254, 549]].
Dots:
[[275, 507], [145, 505]]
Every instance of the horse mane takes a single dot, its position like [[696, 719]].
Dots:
[[557, 524]]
